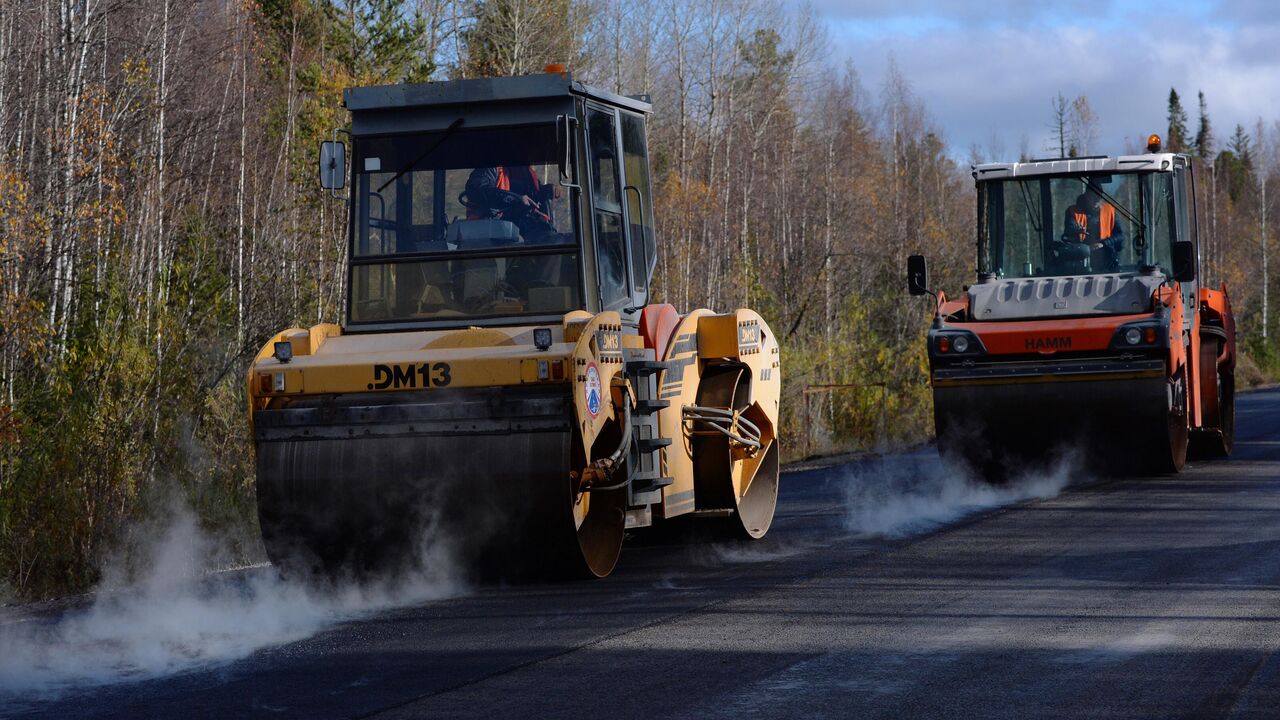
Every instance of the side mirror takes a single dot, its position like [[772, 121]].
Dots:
[[1184, 261], [917, 275], [333, 165]]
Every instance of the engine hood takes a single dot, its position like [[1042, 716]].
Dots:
[[1069, 296]]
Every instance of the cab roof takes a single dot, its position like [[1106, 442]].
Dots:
[[1069, 166], [479, 101], [479, 90]]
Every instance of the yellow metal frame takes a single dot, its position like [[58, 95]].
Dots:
[[588, 349]]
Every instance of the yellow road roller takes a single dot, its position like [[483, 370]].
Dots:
[[501, 385]]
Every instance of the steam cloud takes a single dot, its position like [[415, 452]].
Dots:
[[176, 617], [904, 495]]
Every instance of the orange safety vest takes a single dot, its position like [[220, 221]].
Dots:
[[504, 184], [1106, 222], [504, 179]]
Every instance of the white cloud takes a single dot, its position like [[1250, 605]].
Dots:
[[1014, 12], [983, 77]]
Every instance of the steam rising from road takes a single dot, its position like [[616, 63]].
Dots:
[[176, 617], [899, 496]]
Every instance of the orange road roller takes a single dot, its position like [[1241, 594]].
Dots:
[[1087, 329]]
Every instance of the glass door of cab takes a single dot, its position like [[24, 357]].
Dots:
[[622, 207], [638, 192]]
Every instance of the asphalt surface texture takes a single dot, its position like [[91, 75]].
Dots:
[[884, 589]]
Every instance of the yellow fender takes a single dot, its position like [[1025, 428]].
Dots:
[[705, 344]]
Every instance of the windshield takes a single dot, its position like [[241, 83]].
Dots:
[[1075, 225], [461, 223]]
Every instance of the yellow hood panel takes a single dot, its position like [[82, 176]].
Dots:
[[470, 357]]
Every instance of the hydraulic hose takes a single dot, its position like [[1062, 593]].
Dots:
[[605, 467], [729, 423]]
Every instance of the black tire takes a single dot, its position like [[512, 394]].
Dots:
[[1172, 453]]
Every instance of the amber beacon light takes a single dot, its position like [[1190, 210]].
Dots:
[[1153, 143]]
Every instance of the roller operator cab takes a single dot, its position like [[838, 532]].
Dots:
[[501, 385], [1087, 329]]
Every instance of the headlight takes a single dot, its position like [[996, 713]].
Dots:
[[953, 342], [542, 338], [1140, 335]]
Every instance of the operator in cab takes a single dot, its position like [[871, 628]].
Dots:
[[1091, 223], [514, 194]]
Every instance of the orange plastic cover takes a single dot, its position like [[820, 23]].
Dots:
[[657, 323], [1047, 337]]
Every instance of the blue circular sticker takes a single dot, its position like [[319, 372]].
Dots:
[[593, 390]]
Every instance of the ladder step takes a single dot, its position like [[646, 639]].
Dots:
[[640, 486], [649, 407], [645, 367], [652, 444]]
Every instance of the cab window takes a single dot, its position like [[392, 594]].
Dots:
[[611, 253]]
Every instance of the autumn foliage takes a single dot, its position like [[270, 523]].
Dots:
[[160, 219]]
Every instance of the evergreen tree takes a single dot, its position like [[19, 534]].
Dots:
[[1176, 139], [518, 37], [768, 64], [1234, 164], [1204, 133], [378, 39], [392, 31], [1241, 147]]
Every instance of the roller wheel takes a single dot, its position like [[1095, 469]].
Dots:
[[502, 507], [303, 543], [966, 454], [1226, 437], [568, 533], [1219, 413], [598, 518], [293, 548], [730, 386], [1172, 454]]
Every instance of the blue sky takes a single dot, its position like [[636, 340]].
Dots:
[[987, 71]]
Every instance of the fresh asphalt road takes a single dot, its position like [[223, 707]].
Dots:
[[1155, 597]]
